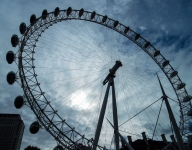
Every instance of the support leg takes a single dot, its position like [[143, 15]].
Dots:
[[115, 117], [101, 116], [172, 118]]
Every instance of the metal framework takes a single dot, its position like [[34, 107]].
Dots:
[[110, 81], [32, 90], [172, 118]]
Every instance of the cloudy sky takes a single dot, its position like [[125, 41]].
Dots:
[[94, 49]]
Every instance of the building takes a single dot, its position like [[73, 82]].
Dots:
[[11, 131], [150, 144]]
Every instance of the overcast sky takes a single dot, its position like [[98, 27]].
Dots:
[[166, 24]]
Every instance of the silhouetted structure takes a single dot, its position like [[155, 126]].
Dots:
[[11, 131], [141, 144], [58, 147], [32, 148]]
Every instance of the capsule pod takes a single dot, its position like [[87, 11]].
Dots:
[[156, 53], [180, 86], [189, 113], [147, 44], [10, 57], [33, 19], [165, 63], [44, 14], [58, 147], [18, 102], [190, 127], [56, 12], [173, 74], [11, 77], [115, 24], [126, 30], [104, 19], [93, 15], [22, 28], [34, 127], [69, 10], [187, 98], [81, 12], [137, 36], [14, 40]]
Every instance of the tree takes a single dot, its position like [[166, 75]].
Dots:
[[32, 148]]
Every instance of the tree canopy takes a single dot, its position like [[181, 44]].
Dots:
[[32, 148]]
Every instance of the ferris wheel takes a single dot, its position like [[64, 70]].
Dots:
[[79, 69]]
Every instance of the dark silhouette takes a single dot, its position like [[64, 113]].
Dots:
[[32, 148]]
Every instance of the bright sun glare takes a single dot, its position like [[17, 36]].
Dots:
[[79, 100]]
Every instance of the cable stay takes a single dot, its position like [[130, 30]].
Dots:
[[140, 112], [116, 131], [156, 125]]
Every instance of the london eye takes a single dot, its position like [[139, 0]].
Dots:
[[92, 81]]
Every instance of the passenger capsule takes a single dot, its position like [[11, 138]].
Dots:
[[34, 127], [81, 12], [33, 19], [56, 12], [173, 74], [69, 10], [189, 113], [137, 36], [14, 40], [10, 57], [190, 127], [146, 44], [104, 19], [44, 14], [180, 86], [165, 63], [156, 53], [11, 77], [115, 24], [58, 147], [126, 30], [22, 28], [187, 98], [93, 15], [18, 102]]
